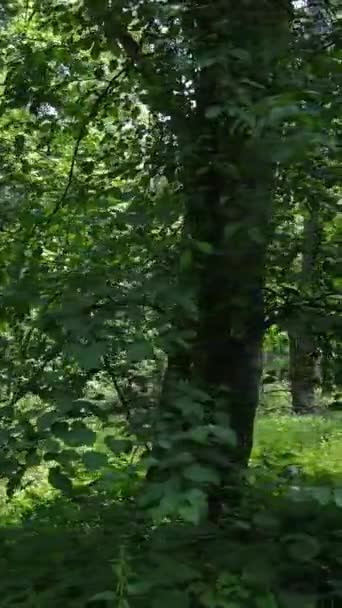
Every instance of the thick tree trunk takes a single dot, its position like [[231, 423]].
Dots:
[[231, 215]]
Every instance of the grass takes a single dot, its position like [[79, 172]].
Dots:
[[313, 443]]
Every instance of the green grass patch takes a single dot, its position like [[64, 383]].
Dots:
[[313, 443]]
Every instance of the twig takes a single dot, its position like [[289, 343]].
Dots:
[[83, 130], [124, 402]]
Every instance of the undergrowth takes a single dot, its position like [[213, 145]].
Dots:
[[279, 549]]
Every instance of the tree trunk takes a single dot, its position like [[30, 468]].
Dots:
[[228, 185], [304, 365], [304, 374]]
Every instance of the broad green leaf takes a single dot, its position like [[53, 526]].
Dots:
[[266, 520], [118, 446], [186, 260], [171, 598], [226, 435], [94, 460], [60, 481], [45, 421], [337, 493], [323, 494], [60, 429], [91, 357], [231, 229], [139, 351], [104, 596], [194, 507], [77, 435], [204, 247], [140, 587], [303, 547], [201, 474], [32, 459], [241, 53], [213, 112], [199, 434], [266, 600]]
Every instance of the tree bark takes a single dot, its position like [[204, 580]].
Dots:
[[231, 214], [304, 376], [304, 354]]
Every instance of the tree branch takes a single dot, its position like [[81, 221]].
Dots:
[[82, 133], [122, 398]]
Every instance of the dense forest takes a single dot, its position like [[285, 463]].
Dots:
[[170, 303]]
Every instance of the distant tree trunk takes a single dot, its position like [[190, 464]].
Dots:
[[304, 374], [327, 366], [303, 366]]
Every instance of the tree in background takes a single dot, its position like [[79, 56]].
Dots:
[[320, 209]]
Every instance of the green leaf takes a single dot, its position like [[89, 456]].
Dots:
[[201, 474], [104, 596], [139, 351], [266, 600], [171, 598], [199, 434], [60, 429], [51, 445], [45, 421], [208, 60], [266, 520], [204, 247], [78, 435], [60, 481], [140, 587], [118, 446], [90, 357], [94, 460], [303, 547], [225, 435], [241, 54], [231, 229], [195, 506], [323, 494], [186, 259], [338, 496], [213, 112], [256, 235], [32, 459]]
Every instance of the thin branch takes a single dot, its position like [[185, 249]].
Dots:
[[122, 398], [82, 133]]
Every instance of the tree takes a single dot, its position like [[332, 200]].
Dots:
[[320, 207], [211, 98]]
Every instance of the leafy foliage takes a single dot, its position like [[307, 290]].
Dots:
[[170, 187]]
